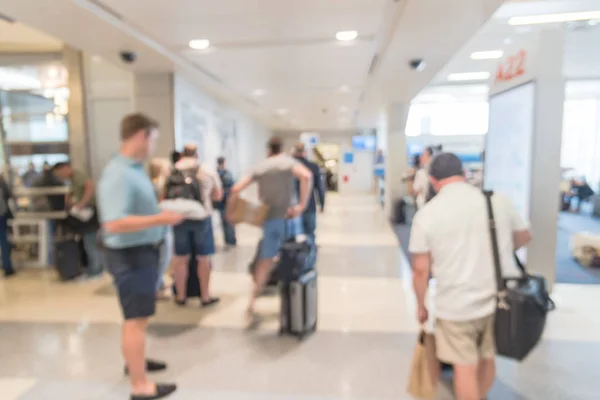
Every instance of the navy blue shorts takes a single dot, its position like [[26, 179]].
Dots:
[[194, 234], [135, 273]]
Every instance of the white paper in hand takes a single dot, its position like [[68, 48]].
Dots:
[[82, 214]]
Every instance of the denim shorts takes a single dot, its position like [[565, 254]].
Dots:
[[275, 232], [195, 235], [135, 273]]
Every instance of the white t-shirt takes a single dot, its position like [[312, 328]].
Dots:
[[421, 186], [453, 228]]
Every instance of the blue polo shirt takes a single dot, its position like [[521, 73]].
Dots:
[[124, 190]]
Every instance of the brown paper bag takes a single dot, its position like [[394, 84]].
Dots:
[[424, 372], [243, 211]]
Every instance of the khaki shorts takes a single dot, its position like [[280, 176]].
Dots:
[[465, 342]]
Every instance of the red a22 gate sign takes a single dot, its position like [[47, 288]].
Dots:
[[512, 67]]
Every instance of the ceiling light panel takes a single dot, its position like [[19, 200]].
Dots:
[[487, 55], [199, 44], [469, 76], [346, 36], [554, 18]]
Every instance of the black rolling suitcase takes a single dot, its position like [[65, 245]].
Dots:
[[298, 288], [193, 283], [523, 304], [67, 254]]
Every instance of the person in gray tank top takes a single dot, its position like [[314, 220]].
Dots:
[[275, 179]]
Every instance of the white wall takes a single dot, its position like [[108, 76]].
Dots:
[[217, 129]]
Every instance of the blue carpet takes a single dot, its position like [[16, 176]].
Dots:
[[567, 269]]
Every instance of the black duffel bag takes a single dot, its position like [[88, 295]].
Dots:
[[522, 307]]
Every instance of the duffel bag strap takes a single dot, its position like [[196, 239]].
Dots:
[[501, 285]]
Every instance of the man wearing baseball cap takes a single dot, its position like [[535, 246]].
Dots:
[[450, 239]]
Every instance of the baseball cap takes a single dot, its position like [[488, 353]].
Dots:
[[446, 165]]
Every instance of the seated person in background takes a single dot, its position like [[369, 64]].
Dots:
[[581, 190]]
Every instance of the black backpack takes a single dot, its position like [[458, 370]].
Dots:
[[184, 184]]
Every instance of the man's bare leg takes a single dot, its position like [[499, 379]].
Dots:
[[204, 278], [180, 276], [466, 382], [261, 276], [487, 376], [134, 350]]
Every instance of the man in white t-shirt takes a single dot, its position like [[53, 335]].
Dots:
[[450, 239], [196, 231]]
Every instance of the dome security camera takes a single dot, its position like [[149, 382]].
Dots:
[[128, 57], [417, 64]]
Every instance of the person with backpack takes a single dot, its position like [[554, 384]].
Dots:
[[227, 183], [191, 190]]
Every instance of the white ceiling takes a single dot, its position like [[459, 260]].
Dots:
[[19, 38], [582, 57], [285, 47]]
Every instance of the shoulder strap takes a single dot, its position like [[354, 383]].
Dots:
[[494, 240]]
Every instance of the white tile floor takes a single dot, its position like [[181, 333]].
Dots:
[[364, 307]]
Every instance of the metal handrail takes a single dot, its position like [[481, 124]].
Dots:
[[42, 191]]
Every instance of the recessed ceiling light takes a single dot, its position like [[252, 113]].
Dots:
[[554, 18], [469, 76], [487, 55], [346, 36], [258, 92], [200, 44], [282, 111]]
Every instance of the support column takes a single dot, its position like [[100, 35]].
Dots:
[[396, 157], [76, 119], [547, 140], [154, 96]]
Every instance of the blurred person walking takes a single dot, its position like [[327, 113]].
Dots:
[[450, 238], [134, 229], [227, 182], [421, 184], [309, 217], [275, 178], [191, 188]]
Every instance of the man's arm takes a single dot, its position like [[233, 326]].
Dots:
[[304, 176], [89, 191], [241, 185], [521, 238], [136, 223], [420, 250], [421, 274], [520, 228]]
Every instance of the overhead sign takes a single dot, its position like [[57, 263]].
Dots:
[[513, 67], [519, 66], [364, 143]]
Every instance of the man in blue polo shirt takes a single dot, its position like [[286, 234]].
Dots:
[[134, 228]]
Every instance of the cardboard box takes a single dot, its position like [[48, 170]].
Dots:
[[243, 211]]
